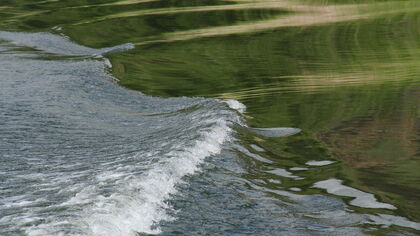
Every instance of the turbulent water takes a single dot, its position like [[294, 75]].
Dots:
[[87, 156], [82, 155]]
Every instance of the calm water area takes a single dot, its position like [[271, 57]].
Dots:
[[209, 117]]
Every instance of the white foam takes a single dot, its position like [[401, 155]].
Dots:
[[107, 63], [319, 163], [362, 199], [236, 105]]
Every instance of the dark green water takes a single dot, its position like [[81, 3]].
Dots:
[[345, 72]]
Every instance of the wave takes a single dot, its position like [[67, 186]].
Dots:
[[84, 156], [95, 158]]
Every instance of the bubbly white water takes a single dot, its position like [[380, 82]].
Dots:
[[110, 215], [236, 105]]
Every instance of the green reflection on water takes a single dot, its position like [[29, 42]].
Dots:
[[346, 74], [353, 87]]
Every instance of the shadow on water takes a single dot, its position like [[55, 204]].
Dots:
[[345, 72]]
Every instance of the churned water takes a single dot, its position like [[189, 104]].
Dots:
[[201, 148], [82, 155]]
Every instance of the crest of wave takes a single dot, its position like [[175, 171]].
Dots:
[[122, 214], [140, 202]]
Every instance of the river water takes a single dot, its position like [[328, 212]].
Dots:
[[148, 117]]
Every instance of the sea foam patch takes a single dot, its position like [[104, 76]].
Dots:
[[361, 199], [236, 105]]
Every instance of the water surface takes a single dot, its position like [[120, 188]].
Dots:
[[84, 153]]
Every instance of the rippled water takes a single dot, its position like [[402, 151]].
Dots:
[[84, 153]]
